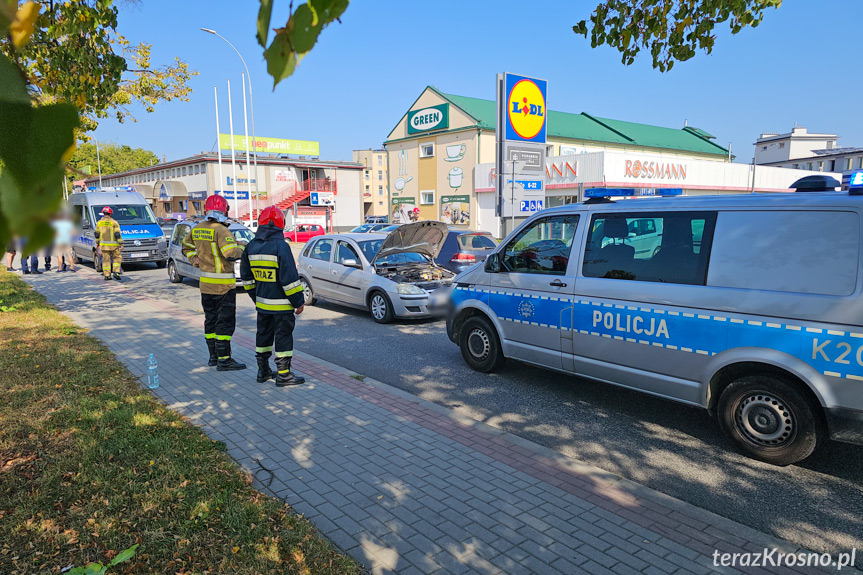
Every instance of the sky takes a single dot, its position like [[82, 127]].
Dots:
[[798, 67]]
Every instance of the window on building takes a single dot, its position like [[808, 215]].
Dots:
[[426, 197], [665, 247], [380, 161], [380, 190], [541, 248], [380, 174], [763, 147], [380, 203], [367, 174], [184, 170], [781, 145], [427, 150], [829, 145]]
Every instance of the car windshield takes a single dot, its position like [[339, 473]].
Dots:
[[476, 242], [371, 247], [386, 229], [362, 229], [243, 235], [131, 215]]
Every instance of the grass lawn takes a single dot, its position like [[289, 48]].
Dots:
[[91, 464]]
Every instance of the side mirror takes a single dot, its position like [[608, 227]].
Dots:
[[350, 263], [85, 225], [492, 263]]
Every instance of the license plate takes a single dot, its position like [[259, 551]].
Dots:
[[139, 254]]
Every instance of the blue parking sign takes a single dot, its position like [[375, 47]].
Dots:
[[531, 205]]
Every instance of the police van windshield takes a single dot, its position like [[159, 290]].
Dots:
[[130, 215]]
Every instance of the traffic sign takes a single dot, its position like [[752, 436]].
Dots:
[[531, 205], [535, 185]]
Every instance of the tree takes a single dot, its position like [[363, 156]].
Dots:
[[299, 34], [671, 29], [113, 158]]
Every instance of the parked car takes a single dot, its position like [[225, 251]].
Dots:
[[748, 307], [377, 219], [167, 225], [462, 249], [302, 233], [180, 267], [364, 228], [391, 276], [386, 228]]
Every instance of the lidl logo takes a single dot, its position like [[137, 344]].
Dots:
[[526, 111]]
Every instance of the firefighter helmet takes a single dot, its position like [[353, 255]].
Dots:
[[216, 208], [107, 211], [272, 215]]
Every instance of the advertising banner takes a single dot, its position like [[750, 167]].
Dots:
[[272, 145], [403, 210], [455, 210], [431, 118], [322, 198], [525, 109]]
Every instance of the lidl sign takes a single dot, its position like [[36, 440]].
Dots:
[[525, 109], [430, 118]]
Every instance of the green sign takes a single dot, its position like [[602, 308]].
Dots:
[[397, 201], [431, 118], [455, 199], [272, 145]]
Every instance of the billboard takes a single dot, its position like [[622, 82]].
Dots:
[[455, 210], [272, 145], [403, 210], [431, 118], [525, 109]]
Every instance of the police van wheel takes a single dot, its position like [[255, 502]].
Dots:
[[769, 420], [308, 294], [173, 274], [97, 262], [380, 307], [161, 264], [480, 345]]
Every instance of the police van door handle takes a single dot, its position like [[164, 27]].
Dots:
[[557, 283]]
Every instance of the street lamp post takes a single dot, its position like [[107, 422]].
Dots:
[[252, 106]]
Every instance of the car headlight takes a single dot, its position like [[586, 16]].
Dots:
[[410, 289]]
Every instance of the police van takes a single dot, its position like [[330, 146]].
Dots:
[[750, 306], [143, 239]]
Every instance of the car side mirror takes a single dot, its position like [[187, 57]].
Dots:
[[492, 263], [350, 263], [85, 226]]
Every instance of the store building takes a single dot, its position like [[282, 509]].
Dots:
[[179, 188], [801, 150], [442, 151], [375, 181]]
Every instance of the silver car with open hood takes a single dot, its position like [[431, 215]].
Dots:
[[390, 275]]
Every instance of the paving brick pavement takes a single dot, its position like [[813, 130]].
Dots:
[[404, 485]]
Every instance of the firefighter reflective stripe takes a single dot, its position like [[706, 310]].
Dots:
[[257, 264], [284, 371], [273, 304], [108, 244], [284, 353], [249, 287], [263, 258], [215, 278], [216, 258], [265, 350], [210, 335], [223, 337], [230, 245], [191, 254], [292, 288]]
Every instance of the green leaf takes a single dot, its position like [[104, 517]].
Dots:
[[124, 555], [281, 60], [12, 87], [329, 10], [304, 33], [264, 14]]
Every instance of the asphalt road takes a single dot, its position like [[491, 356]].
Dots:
[[671, 448]]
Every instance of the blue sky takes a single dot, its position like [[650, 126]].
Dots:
[[799, 66]]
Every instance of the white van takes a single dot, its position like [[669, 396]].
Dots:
[[143, 239], [750, 306]]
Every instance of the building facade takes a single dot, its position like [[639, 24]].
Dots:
[[375, 182], [324, 192], [801, 150], [442, 153]]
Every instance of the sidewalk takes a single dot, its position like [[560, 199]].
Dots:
[[403, 485]]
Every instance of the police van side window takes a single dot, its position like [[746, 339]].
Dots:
[[664, 247], [543, 247]]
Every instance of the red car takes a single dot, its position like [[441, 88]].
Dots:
[[302, 233]]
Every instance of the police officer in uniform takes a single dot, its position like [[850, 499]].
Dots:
[[110, 244], [270, 277], [212, 248]]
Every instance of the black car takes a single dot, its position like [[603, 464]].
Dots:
[[463, 248]]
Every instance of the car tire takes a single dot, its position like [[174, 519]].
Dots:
[[380, 307], [174, 274], [77, 258], [308, 293], [97, 262], [770, 420], [161, 264], [480, 345]]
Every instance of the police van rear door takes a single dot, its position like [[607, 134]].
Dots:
[[532, 294]]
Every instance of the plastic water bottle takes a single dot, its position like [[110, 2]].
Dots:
[[152, 372]]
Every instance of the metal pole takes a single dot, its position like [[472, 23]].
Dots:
[[233, 158], [218, 139], [512, 200], [99, 164], [248, 168]]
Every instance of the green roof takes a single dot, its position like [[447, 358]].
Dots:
[[593, 129]]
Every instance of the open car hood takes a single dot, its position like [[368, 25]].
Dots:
[[424, 238]]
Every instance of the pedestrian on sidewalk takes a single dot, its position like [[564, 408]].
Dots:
[[211, 247], [109, 242], [270, 277], [10, 255], [33, 268], [63, 230]]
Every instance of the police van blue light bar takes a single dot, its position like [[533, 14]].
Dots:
[[856, 180], [631, 192]]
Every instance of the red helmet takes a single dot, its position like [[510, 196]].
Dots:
[[216, 203], [272, 215], [107, 211]]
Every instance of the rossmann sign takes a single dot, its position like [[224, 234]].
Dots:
[[430, 118], [654, 170]]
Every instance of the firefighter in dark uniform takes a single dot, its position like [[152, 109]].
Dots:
[[270, 277], [211, 247]]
